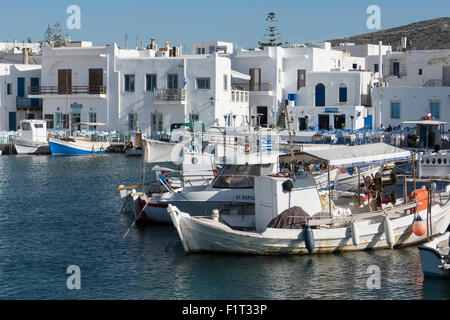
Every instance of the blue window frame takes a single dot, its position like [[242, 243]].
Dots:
[[395, 110], [435, 108], [342, 93]]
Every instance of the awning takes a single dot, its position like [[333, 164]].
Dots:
[[239, 75], [347, 156], [425, 122], [92, 124]]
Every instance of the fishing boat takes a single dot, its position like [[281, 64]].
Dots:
[[77, 146], [32, 137], [135, 149], [435, 257], [292, 216]]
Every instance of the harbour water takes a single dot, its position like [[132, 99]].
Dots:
[[62, 211]]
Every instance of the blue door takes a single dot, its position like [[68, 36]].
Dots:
[[320, 95], [21, 87], [368, 122], [12, 121]]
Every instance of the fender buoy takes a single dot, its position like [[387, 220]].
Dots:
[[355, 234], [389, 233], [309, 239], [421, 196], [419, 226]]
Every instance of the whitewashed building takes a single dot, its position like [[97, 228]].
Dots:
[[416, 82], [310, 77], [15, 102], [149, 88]]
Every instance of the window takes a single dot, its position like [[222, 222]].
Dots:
[[301, 79], [225, 82], [132, 121], [201, 51], [435, 109], [59, 120], [203, 83], [420, 72], [129, 83], [376, 67], [193, 117], [9, 89], [395, 110], [342, 93], [212, 49], [76, 118], [49, 119], [157, 122], [93, 118], [151, 82], [396, 68], [172, 81]]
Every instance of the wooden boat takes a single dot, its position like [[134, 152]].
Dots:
[[77, 146], [322, 223]]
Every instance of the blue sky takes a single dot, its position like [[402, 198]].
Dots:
[[184, 22]]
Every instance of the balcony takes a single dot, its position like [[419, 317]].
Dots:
[[254, 87], [434, 83], [28, 103], [169, 95], [57, 90]]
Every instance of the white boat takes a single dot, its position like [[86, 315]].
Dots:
[[32, 138], [435, 257], [435, 165], [292, 217]]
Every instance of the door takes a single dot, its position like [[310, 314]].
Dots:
[[368, 122], [21, 87], [172, 81], [396, 68], [446, 76], [95, 81], [320, 95], [324, 121], [65, 81], [34, 84], [301, 79], [302, 124], [339, 121], [12, 121], [262, 115]]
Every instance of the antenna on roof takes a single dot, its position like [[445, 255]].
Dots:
[[126, 40]]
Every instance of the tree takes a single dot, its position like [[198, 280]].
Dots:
[[272, 34], [53, 35]]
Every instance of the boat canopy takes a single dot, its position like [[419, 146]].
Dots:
[[348, 156], [92, 124]]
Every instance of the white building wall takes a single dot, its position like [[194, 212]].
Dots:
[[414, 103]]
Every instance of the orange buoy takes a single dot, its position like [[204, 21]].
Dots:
[[419, 227]]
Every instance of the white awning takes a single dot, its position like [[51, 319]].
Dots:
[[425, 122], [347, 156], [239, 75]]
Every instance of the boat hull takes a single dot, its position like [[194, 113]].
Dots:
[[24, 146], [206, 235], [77, 148]]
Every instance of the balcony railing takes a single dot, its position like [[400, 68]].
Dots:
[[28, 102], [169, 95], [245, 86], [67, 90], [434, 83]]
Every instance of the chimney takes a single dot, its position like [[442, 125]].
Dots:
[[167, 46], [25, 55], [404, 41], [152, 44]]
